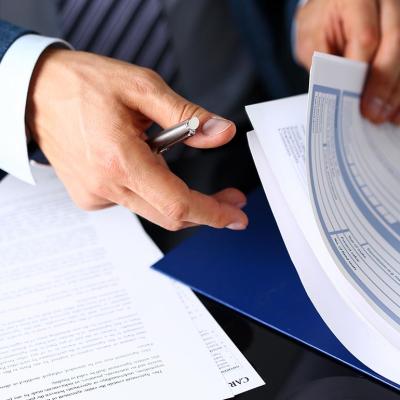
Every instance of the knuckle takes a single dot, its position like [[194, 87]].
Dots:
[[368, 38], [174, 226], [221, 218], [187, 110], [86, 202], [177, 210], [147, 82], [98, 186], [111, 164], [150, 74], [220, 222]]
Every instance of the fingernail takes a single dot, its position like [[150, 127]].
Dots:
[[236, 226], [214, 126], [241, 204], [374, 107]]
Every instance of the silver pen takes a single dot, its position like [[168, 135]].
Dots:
[[176, 134]]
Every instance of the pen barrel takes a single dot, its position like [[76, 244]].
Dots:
[[176, 134], [169, 136]]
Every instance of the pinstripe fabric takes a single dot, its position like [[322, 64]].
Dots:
[[130, 30]]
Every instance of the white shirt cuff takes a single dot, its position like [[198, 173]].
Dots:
[[16, 70]]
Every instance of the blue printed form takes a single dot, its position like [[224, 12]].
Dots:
[[332, 179], [355, 186]]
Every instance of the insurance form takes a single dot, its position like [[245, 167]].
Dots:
[[332, 180], [354, 182]]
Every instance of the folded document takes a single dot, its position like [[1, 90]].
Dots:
[[339, 176]]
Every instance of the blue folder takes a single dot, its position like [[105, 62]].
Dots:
[[251, 272]]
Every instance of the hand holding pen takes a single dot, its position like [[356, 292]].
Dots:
[[89, 122]]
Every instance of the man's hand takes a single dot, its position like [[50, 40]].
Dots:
[[89, 113], [364, 30]]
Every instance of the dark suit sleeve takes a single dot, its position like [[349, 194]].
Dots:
[[9, 33]]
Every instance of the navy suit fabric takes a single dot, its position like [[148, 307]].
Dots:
[[267, 28], [9, 33]]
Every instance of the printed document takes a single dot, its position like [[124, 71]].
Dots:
[[238, 373], [354, 176], [333, 182], [83, 316]]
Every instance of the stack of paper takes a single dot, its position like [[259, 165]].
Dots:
[[332, 179], [82, 316]]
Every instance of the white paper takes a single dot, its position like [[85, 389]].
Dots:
[[80, 317], [238, 373], [354, 174], [281, 128]]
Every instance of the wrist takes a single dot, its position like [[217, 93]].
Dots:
[[48, 76]]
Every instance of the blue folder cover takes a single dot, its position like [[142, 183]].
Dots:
[[251, 272]]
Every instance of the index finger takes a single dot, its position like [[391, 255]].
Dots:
[[174, 199]]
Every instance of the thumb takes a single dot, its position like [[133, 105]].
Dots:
[[213, 131], [167, 108]]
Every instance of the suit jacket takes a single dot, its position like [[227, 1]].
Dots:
[[209, 73], [251, 48], [267, 28], [8, 34]]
